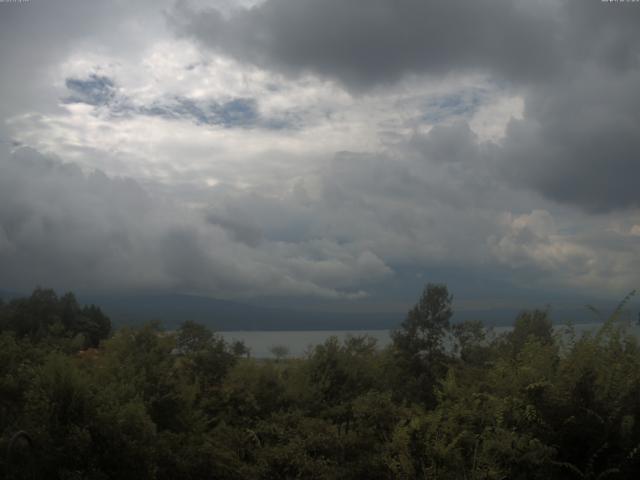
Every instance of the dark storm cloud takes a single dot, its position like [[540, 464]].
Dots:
[[577, 63], [580, 142], [599, 32], [368, 42]]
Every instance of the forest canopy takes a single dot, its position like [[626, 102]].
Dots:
[[443, 400]]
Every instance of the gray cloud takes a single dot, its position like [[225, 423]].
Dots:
[[579, 142], [244, 232], [365, 43], [61, 227], [36, 36], [577, 63], [272, 213], [448, 143]]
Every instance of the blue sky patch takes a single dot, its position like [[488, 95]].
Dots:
[[96, 90], [463, 103], [101, 91]]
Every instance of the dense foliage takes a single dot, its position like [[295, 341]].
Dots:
[[443, 401]]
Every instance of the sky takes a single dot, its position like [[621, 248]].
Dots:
[[328, 153]]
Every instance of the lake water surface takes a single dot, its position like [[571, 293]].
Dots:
[[299, 342]]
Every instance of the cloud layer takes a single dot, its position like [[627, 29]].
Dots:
[[578, 64], [320, 147], [67, 229], [366, 43]]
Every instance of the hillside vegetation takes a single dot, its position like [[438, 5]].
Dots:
[[443, 401]]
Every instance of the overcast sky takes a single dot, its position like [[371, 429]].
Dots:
[[332, 152]]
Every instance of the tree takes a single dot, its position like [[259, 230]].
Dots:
[[208, 354], [471, 342], [240, 349], [419, 343], [279, 351], [534, 325], [192, 337], [44, 315]]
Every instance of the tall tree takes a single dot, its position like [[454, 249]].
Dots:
[[419, 343]]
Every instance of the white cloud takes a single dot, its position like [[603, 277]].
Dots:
[[604, 262]]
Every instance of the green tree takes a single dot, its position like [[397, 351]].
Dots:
[[45, 316], [471, 342], [532, 325], [419, 343], [279, 351], [206, 354]]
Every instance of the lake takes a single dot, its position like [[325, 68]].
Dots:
[[299, 342]]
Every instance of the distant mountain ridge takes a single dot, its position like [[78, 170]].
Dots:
[[226, 315]]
